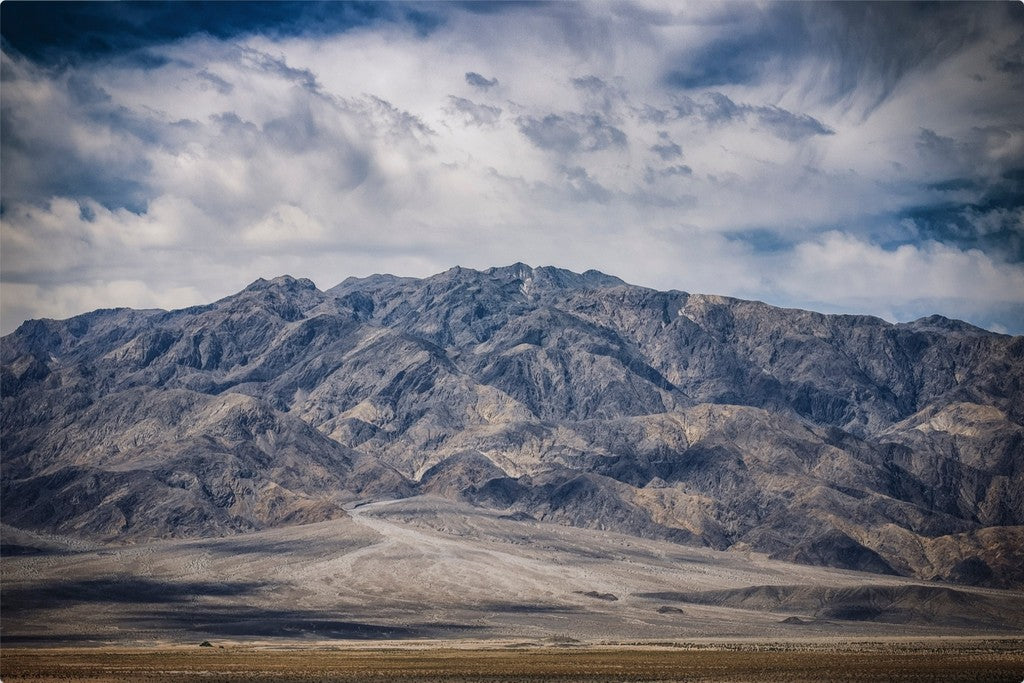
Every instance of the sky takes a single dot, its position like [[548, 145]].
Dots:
[[841, 157]]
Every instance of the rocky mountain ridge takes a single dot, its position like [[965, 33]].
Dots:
[[836, 440]]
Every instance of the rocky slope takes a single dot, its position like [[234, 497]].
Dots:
[[835, 440]]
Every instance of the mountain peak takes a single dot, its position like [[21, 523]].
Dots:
[[940, 323], [532, 279], [551, 277], [517, 270], [281, 282]]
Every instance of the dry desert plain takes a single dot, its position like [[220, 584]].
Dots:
[[428, 589], [987, 660]]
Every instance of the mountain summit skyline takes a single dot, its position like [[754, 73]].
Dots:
[[574, 398]]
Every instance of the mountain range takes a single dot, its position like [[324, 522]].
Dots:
[[834, 440]]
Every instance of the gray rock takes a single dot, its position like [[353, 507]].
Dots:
[[837, 440]]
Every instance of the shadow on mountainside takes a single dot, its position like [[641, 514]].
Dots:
[[922, 605], [119, 591]]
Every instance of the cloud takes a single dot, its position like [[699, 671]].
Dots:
[[652, 174], [847, 270], [478, 81], [582, 187], [589, 83], [933, 145], [856, 47], [192, 152], [1011, 59], [278, 66], [473, 113], [571, 132], [396, 121], [599, 95], [997, 230], [285, 224], [666, 148], [218, 83], [790, 126], [717, 109], [84, 31], [64, 301]]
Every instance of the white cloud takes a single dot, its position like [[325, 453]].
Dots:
[[847, 270], [284, 224], [63, 301]]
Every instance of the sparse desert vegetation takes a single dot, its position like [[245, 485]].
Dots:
[[985, 660]]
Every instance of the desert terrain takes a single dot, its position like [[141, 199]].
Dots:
[[428, 568], [929, 661]]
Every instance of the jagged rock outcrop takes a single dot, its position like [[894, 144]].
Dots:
[[823, 439]]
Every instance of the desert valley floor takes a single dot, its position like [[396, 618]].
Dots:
[[946, 661], [427, 589], [429, 568]]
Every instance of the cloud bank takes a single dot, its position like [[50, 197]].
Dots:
[[857, 158]]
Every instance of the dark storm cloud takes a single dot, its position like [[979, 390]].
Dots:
[[751, 36], [858, 44], [996, 231], [85, 92], [931, 143], [992, 222], [42, 160], [473, 113], [478, 81], [114, 186], [1011, 60], [61, 32], [571, 132]]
